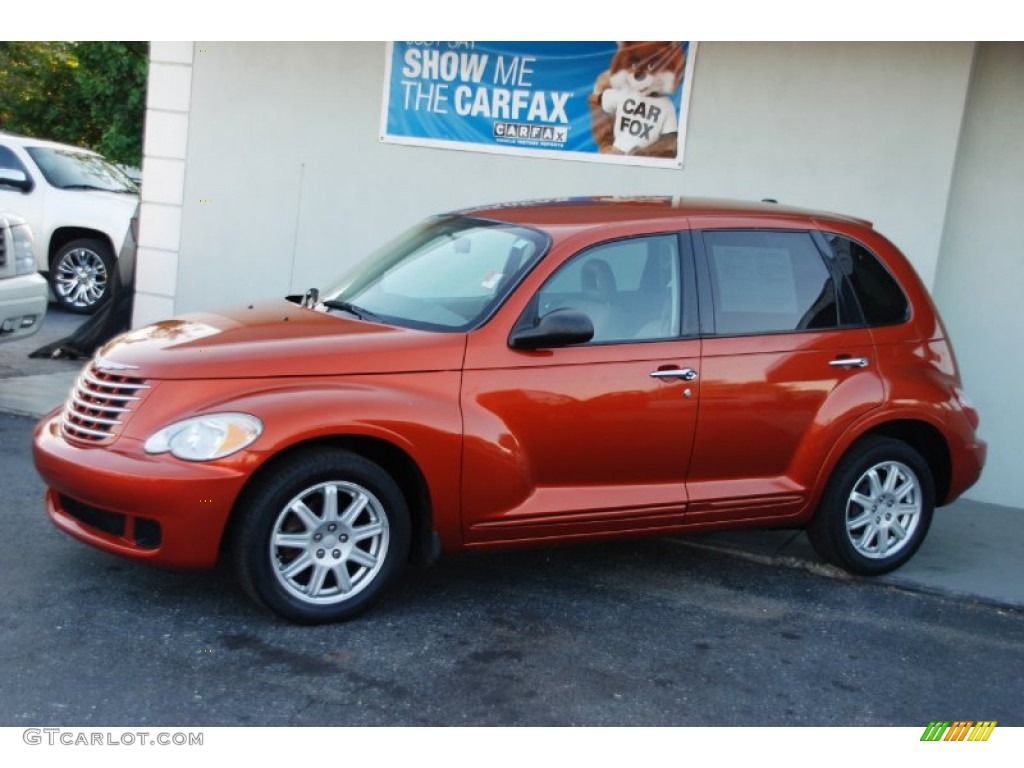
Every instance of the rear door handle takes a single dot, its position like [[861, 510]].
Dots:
[[849, 362], [686, 374]]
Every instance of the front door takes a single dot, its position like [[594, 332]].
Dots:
[[592, 438]]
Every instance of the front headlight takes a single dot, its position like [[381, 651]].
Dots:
[[205, 438], [24, 255]]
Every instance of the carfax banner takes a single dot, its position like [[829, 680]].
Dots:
[[609, 102]]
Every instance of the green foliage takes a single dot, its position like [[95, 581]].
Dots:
[[90, 94]]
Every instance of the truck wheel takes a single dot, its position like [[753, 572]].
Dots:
[[82, 275]]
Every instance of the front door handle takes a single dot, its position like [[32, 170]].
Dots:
[[686, 374], [849, 362]]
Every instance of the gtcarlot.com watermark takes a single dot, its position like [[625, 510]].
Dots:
[[71, 738]]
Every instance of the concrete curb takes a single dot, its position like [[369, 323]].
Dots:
[[718, 543]]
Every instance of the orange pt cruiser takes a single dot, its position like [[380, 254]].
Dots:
[[522, 374]]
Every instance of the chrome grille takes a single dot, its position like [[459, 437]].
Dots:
[[3, 247], [99, 403]]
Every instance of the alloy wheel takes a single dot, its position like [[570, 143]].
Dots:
[[329, 542], [81, 278], [884, 510]]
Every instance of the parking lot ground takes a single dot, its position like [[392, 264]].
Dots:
[[14, 355], [31, 386]]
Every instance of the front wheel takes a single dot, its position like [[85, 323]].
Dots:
[[82, 275], [876, 509], [321, 536]]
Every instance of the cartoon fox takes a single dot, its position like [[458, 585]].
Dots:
[[631, 109]]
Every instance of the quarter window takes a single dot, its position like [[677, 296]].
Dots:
[[880, 297], [630, 289], [769, 282]]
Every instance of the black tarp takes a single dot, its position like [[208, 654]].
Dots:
[[114, 317]]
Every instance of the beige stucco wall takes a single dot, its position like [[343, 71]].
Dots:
[[264, 174], [287, 183], [980, 282]]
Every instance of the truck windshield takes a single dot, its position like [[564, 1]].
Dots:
[[448, 273], [67, 169]]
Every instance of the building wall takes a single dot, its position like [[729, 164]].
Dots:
[[980, 283], [168, 101], [285, 183]]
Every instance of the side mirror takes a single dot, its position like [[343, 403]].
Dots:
[[557, 328], [9, 177]]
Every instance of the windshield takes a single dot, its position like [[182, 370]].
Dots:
[[68, 169], [447, 273]]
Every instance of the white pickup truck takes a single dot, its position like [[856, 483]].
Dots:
[[78, 205]]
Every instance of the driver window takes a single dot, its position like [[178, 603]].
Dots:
[[10, 161], [629, 289]]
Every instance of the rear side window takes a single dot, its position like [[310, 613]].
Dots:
[[769, 282], [880, 297]]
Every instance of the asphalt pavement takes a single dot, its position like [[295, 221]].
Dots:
[[974, 551]]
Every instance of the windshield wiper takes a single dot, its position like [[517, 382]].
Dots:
[[101, 189], [352, 309]]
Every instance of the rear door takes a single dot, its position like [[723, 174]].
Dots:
[[786, 366]]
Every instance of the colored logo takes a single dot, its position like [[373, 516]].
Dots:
[[960, 730]]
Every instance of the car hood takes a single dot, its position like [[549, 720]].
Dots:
[[276, 338], [89, 198]]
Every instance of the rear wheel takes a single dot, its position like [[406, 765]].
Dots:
[[321, 536], [876, 509]]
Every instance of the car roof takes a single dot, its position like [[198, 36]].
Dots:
[[29, 141], [593, 211]]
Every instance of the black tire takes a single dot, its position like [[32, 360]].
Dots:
[[82, 275], [876, 509], [338, 575]]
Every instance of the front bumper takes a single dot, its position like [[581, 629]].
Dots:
[[152, 508], [22, 305]]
